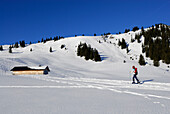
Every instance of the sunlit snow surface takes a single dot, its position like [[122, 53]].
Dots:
[[77, 86]]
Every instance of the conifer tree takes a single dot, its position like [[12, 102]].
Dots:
[[88, 52], [91, 54], [96, 56], [55, 38], [119, 43], [1, 48], [42, 40], [16, 45], [156, 63], [127, 30], [123, 46], [143, 31], [141, 60], [10, 49], [22, 43], [51, 49], [155, 47], [157, 26], [135, 29], [167, 58], [147, 51], [78, 50]]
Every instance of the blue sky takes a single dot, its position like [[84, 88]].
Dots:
[[32, 20]]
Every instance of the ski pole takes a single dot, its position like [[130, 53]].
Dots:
[[130, 76]]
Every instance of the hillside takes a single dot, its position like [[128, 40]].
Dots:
[[75, 85], [111, 54]]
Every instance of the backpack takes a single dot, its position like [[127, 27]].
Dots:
[[136, 71]]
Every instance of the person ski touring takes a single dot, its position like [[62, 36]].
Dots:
[[135, 73]]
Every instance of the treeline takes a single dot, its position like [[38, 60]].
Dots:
[[157, 43], [134, 29], [23, 44], [123, 45], [89, 53], [17, 44], [50, 39]]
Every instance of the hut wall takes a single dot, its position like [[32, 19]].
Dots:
[[31, 72]]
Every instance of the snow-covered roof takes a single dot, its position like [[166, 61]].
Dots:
[[21, 68]]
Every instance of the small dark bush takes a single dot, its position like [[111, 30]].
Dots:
[[62, 46]]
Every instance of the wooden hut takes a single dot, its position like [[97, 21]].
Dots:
[[25, 70]]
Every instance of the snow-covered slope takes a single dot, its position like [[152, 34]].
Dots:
[[75, 85]]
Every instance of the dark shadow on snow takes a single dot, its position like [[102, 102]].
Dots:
[[146, 81], [103, 57]]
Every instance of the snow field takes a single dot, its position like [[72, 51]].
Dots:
[[77, 86]]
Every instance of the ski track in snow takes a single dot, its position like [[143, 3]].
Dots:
[[103, 84], [111, 85], [118, 86]]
